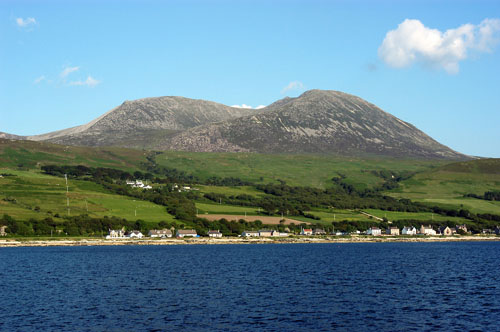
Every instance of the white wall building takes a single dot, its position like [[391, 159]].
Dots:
[[375, 231], [409, 230]]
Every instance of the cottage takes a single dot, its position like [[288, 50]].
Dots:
[[375, 231], [161, 233], [445, 231], [497, 230], [461, 228], [115, 233], [392, 231], [186, 232], [138, 184], [306, 231], [427, 230], [409, 230], [265, 233], [2, 231], [250, 234], [135, 235], [214, 233], [319, 231]]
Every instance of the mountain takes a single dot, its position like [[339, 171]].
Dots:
[[10, 136], [136, 123], [318, 121]]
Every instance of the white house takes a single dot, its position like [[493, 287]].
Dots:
[[409, 230], [214, 233], [186, 232], [138, 184], [445, 230], [375, 231], [319, 231], [162, 233], [115, 233], [427, 230], [306, 231], [135, 235], [250, 234], [392, 231]]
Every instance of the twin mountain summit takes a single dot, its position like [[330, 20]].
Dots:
[[318, 121]]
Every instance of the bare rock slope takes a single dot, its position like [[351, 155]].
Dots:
[[138, 122], [318, 121]]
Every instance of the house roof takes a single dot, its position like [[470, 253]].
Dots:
[[160, 231], [186, 231], [214, 232]]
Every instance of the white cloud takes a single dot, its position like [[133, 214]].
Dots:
[[248, 106], [412, 42], [68, 70], [90, 81], [39, 79], [293, 86], [25, 23], [241, 106]]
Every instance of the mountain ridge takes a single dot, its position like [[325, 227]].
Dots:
[[317, 121]]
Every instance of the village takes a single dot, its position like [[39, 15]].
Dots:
[[372, 231]]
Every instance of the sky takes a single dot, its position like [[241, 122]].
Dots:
[[435, 64]]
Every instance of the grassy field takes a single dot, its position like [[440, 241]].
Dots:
[[301, 170], [30, 194], [447, 185], [207, 208], [29, 154], [421, 216]]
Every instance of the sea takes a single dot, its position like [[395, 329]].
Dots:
[[252, 287]]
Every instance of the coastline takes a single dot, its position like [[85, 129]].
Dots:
[[6, 243]]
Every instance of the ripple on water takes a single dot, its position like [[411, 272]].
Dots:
[[317, 287]]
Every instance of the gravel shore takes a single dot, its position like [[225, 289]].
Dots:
[[237, 240]]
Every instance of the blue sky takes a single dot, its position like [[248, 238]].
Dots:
[[64, 63]]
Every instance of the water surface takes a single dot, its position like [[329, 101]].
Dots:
[[271, 287]]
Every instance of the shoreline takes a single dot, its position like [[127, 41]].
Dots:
[[12, 243]]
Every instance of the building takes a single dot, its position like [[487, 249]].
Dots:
[[162, 233], [265, 233], [214, 233], [375, 231], [461, 227], [427, 230], [319, 231], [138, 184], [497, 230], [134, 235], [392, 231], [445, 230], [2, 231], [250, 234], [306, 231], [409, 230], [186, 233], [115, 234]]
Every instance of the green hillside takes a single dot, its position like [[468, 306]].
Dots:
[[29, 154], [29, 194], [448, 184], [296, 170]]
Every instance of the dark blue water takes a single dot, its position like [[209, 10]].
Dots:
[[310, 287]]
